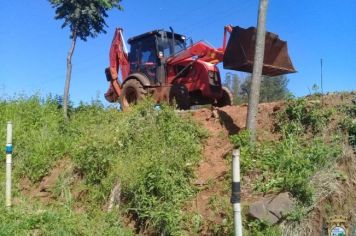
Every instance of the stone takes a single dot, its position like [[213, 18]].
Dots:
[[281, 205], [272, 208], [115, 197], [260, 211]]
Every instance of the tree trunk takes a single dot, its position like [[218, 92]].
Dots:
[[68, 75], [254, 95]]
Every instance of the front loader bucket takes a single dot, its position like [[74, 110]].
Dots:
[[240, 51]]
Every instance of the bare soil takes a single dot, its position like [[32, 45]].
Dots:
[[43, 191], [214, 167]]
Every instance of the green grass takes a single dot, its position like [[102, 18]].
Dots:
[[289, 163], [307, 145], [34, 219], [152, 153], [37, 134], [348, 123]]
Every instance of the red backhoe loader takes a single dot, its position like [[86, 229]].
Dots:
[[161, 65]]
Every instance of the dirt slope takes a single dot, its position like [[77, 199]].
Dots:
[[221, 123], [214, 168]]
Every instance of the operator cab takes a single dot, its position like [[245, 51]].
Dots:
[[149, 52]]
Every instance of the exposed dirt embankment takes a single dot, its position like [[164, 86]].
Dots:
[[214, 167]]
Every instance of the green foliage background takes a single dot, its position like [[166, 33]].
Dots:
[[272, 88]]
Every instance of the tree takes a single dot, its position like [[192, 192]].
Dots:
[[232, 82], [227, 82], [235, 83], [274, 88], [257, 70], [245, 89], [271, 89], [85, 18]]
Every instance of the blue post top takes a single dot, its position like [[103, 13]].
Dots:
[[8, 148], [157, 107]]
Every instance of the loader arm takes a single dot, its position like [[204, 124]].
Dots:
[[202, 50], [118, 60]]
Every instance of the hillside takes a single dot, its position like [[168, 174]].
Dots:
[[148, 171], [314, 129]]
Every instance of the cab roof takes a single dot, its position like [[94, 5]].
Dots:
[[158, 32]]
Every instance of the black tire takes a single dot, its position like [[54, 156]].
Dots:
[[179, 96], [226, 99], [132, 93]]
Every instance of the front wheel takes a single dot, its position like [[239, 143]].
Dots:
[[226, 99], [179, 96], [132, 92]]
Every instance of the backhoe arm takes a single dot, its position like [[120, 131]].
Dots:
[[118, 60]]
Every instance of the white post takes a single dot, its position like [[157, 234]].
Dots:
[[235, 194], [8, 163]]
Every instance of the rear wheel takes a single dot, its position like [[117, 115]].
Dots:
[[132, 92], [226, 99], [179, 96]]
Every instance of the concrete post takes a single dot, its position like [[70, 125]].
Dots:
[[8, 164], [235, 193]]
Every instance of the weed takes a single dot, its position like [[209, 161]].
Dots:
[[301, 116], [152, 153], [261, 228], [37, 134], [289, 163], [34, 220], [348, 123], [222, 209], [298, 213], [62, 188]]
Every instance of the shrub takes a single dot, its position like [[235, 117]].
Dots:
[[37, 134], [34, 220], [261, 228], [151, 152], [348, 123], [288, 164], [302, 116]]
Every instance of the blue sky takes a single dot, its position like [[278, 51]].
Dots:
[[33, 47]]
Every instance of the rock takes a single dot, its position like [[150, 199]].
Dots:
[[281, 205], [115, 196], [42, 194], [199, 182], [272, 208], [215, 114], [259, 211]]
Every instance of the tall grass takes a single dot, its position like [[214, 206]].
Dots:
[[289, 163], [306, 145], [151, 153]]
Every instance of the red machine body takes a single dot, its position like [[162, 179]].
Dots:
[[159, 63]]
